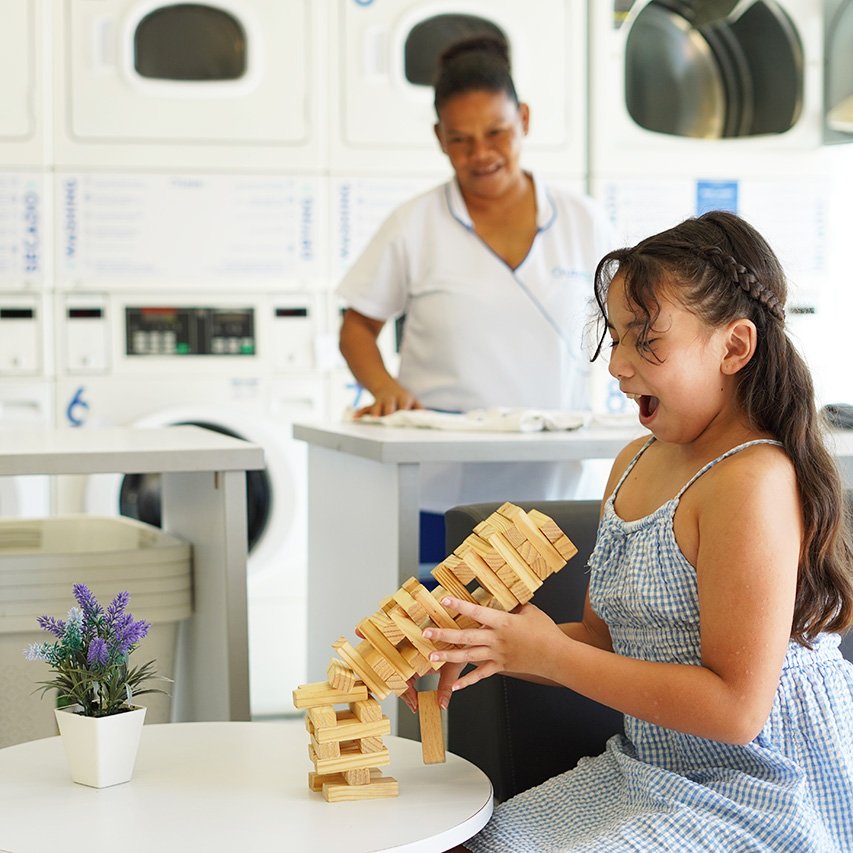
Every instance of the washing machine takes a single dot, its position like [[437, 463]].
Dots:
[[240, 365], [26, 393], [23, 196], [22, 91], [722, 87], [205, 232], [226, 84], [383, 59]]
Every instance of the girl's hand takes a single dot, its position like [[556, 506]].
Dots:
[[507, 642]]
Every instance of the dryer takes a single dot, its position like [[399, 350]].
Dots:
[[722, 87], [383, 59], [202, 231], [241, 365], [204, 85], [22, 91]]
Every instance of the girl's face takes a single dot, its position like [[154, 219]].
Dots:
[[481, 133], [678, 382]]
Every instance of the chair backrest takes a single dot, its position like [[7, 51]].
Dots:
[[521, 734]]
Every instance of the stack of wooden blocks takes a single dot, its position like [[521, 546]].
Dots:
[[501, 564]]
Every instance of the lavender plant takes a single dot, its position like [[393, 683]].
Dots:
[[89, 657]]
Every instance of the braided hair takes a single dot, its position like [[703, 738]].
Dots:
[[720, 268]]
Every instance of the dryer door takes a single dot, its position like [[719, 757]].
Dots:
[[712, 69], [201, 73]]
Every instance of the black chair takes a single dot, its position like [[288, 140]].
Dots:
[[521, 734]]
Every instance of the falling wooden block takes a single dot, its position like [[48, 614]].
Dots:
[[432, 735], [322, 693], [339, 676], [367, 674]]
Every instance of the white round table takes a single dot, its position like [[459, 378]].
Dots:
[[232, 787]]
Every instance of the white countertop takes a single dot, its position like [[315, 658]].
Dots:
[[400, 444], [123, 450]]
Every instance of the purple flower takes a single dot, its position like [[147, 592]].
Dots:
[[88, 603], [129, 633], [116, 608], [98, 654], [52, 625]]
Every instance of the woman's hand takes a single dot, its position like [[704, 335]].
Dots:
[[517, 642], [388, 398]]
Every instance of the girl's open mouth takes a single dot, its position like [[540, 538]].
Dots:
[[648, 406]]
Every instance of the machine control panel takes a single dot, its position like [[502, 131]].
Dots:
[[176, 331]]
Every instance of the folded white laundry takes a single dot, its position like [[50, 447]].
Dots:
[[482, 420]]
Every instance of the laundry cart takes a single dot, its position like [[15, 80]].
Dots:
[[41, 559]]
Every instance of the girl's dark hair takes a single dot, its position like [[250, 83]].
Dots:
[[720, 268], [473, 64]]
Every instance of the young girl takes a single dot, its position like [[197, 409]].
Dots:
[[722, 575]]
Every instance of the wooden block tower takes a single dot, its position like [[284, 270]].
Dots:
[[501, 564]]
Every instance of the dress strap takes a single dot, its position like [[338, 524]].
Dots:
[[720, 458], [632, 463]]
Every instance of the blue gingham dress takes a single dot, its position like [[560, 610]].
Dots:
[[791, 789]]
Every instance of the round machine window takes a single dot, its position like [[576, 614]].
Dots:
[[139, 495], [190, 41], [712, 69], [428, 39]]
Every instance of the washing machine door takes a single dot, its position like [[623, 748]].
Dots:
[[713, 69], [139, 495], [673, 82], [17, 60]]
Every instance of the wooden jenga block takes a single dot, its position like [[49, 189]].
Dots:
[[515, 560], [390, 652], [385, 786], [361, 776], [477, 543], [322, 693], [415, 637], [367, 710], [348, 727], [416, 659], [436, 613], [396, 683], [432, 736], [461, 620], [371, 744], [339, 676], [489, 580], [323, 751], [534, 535], [351, 758], [384, 624], [413, 608], [367, 674], [321, 717], [317, 780], [447, 577], [552, 532]]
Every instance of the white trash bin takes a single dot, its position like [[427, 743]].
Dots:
[[41, 559]]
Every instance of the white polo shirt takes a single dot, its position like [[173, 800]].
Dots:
[[480, 334], [477, 332]]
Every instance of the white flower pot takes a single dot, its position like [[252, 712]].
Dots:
[[101, 751]]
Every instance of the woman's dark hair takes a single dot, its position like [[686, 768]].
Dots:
[[473, 64], [720, 268]]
